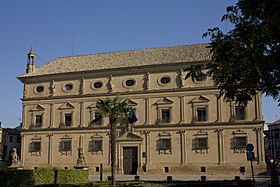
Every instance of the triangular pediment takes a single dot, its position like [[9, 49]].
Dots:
[[37, 108], [131, 103], [164, 101], [93, 105], [200, 99], [66, 106], [130, 136]]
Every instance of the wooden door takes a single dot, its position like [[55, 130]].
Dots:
[[130, 160]]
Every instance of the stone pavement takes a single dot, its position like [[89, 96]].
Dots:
[[261, 181]]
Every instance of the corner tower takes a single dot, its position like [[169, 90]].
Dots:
[[31, 61]]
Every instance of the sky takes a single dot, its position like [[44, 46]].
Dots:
[[57, 28]]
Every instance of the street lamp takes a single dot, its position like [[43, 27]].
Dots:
[[273, 173]]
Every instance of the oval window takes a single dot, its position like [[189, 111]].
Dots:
[[68, 87], [200, 77], [129, 82], [39, 89], [165, 80], [97, 85]]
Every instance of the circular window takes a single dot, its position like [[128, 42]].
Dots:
[[68, 87], [97, 85], [39, 89], [200, 78], [165, 80], [129, 82]]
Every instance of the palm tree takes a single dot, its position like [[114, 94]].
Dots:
[[115, 108]]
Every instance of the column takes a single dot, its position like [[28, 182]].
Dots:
[[50, 149], [219, 111], [147, 111], [257, 107], [182, 146], [82, 112], [51, 116], [24, 125], [147, 147], [220, 146], [182, 109], [259, 144], [22, 149]]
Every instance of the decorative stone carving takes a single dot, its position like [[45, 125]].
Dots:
[[81, 162], [111, 84], [15, 159]]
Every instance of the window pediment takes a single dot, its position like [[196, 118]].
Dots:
[[200, 99], [92, 106], [37, 108], [66, 106], [164, 101], [131, 103]]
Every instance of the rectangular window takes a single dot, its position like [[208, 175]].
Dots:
[[164, 144], [165, 115], [35, 147], [239, 113], [66, 145], [240, 142], [201, 114], [97, 119], [95, 145], [200, 143], [11, 139], [68, 119], [38, 120]]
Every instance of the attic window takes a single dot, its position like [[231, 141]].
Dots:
[[97, 84], [39, 89], [68, 87], [129, 83], [200, 77], [165, 80]]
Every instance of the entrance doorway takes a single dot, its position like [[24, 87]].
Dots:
[[130, 160]]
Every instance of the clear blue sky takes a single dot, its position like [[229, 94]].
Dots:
[[58, 28]]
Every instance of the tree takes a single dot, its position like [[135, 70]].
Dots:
[[115, 109], [246, 60]]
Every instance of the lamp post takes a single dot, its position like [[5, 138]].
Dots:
[[273, 173], [273, 170]]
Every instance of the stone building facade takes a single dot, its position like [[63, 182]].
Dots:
[[183, 126], [9, 139]]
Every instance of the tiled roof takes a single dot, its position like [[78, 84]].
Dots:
[[133, 58]]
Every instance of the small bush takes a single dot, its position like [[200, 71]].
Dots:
[[69, 176], [23, 178]]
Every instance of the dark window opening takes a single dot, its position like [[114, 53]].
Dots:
[[200, 143], [166, 169], [203, 169], [129, 82], [240, 142], [239, 113], [68, 119], [201, 114], [97, 119], [164, 144], [165, 115], [38, 120], [95, 145], [35, 147], [66, 145], [39, 89], [68, 87], [165, 80]]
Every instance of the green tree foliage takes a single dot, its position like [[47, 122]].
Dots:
[[115, 109], [246, 60]]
